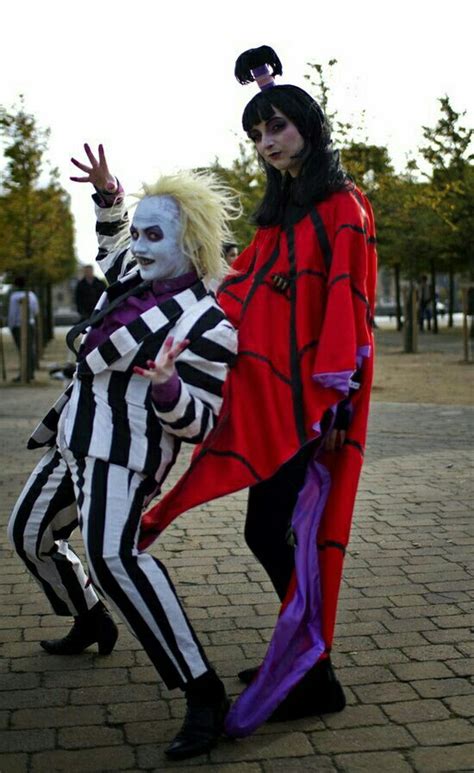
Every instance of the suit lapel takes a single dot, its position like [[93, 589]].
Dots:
[[127, 338]]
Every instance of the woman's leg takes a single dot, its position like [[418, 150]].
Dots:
[[270, 507], [42, 520]]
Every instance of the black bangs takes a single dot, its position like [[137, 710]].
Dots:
[[258, 109], [321, 172]]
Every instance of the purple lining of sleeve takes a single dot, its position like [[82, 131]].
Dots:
[[297, 642], [363, 352], [339, 380], [166, 395]]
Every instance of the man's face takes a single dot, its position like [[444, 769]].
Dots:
[[156, 244]]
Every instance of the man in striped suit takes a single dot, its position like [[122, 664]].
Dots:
[[150, 373]]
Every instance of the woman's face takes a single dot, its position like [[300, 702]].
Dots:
[[278, 141]]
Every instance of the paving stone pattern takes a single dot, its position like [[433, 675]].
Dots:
[[404, 648]]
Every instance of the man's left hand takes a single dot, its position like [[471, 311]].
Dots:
[[161, 370]]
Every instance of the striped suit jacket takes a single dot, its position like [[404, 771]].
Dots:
[[107, 411]]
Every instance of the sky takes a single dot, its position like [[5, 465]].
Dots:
[[153, 81]]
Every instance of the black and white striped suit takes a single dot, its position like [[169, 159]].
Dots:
[[111, 448]]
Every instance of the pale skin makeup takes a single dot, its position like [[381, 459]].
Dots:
[[156, 244], [278, 142]]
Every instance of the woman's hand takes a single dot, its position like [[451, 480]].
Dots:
[[161, 370], [97, 173]]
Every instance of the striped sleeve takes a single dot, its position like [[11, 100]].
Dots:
[[45, 433], [202, 369], [114, 258]]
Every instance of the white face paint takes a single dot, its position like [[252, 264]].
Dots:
[[156, 233]]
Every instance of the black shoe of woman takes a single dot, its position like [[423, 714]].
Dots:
[[319, 692]]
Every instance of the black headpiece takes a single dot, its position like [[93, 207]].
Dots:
[[254, 64]]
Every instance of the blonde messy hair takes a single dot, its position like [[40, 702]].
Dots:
[[206, 206]]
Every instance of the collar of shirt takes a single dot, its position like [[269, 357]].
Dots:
[[174, 285]]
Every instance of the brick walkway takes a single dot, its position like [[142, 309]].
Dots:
[[404, 649]]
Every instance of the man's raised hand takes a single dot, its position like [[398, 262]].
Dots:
[[97, 173]]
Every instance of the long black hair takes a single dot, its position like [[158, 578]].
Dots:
[[321, 171]]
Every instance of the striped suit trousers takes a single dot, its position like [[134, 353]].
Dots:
[[106, 501]]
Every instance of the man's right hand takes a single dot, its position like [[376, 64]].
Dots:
[[97, 173]]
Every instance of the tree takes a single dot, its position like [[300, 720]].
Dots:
[[343, 132], [247, 178], [448, 152], [35, 216]]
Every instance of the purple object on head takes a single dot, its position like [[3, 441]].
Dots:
[[263, 77]]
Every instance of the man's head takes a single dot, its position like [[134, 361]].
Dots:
[[180, 223], [157, 239], [88, 272]]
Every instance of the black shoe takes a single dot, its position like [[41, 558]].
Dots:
[[96, 625], [319, 692], [201, 729], [247, 674]]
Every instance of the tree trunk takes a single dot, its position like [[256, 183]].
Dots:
[[434, 296], [43, 307], [398, 301], [49, 324], [451, 296]]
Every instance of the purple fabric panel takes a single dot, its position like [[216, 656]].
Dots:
[[363, 352], [166, 395], [133, 306], [297, 642], [339, 380]]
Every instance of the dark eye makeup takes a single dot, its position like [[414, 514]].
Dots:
[[154, 233], [275, 124]]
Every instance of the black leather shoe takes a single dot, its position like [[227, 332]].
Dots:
[[95, 626], [319, 692], [247, 674], [201, 729]]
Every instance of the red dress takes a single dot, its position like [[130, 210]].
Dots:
[[303, 303]]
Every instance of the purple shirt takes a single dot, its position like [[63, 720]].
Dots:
[[167, 394]]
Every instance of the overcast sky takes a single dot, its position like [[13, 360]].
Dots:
[[154, 80]]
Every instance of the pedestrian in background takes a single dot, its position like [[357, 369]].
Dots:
[[14, 322], [424, 298], [88, 291], [231, 252]]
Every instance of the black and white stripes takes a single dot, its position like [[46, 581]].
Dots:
[[108, 411], [113, 450], [109, 505]]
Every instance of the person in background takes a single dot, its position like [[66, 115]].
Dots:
[[88, 291], [231, 252], [424, 300], [14, 322]]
